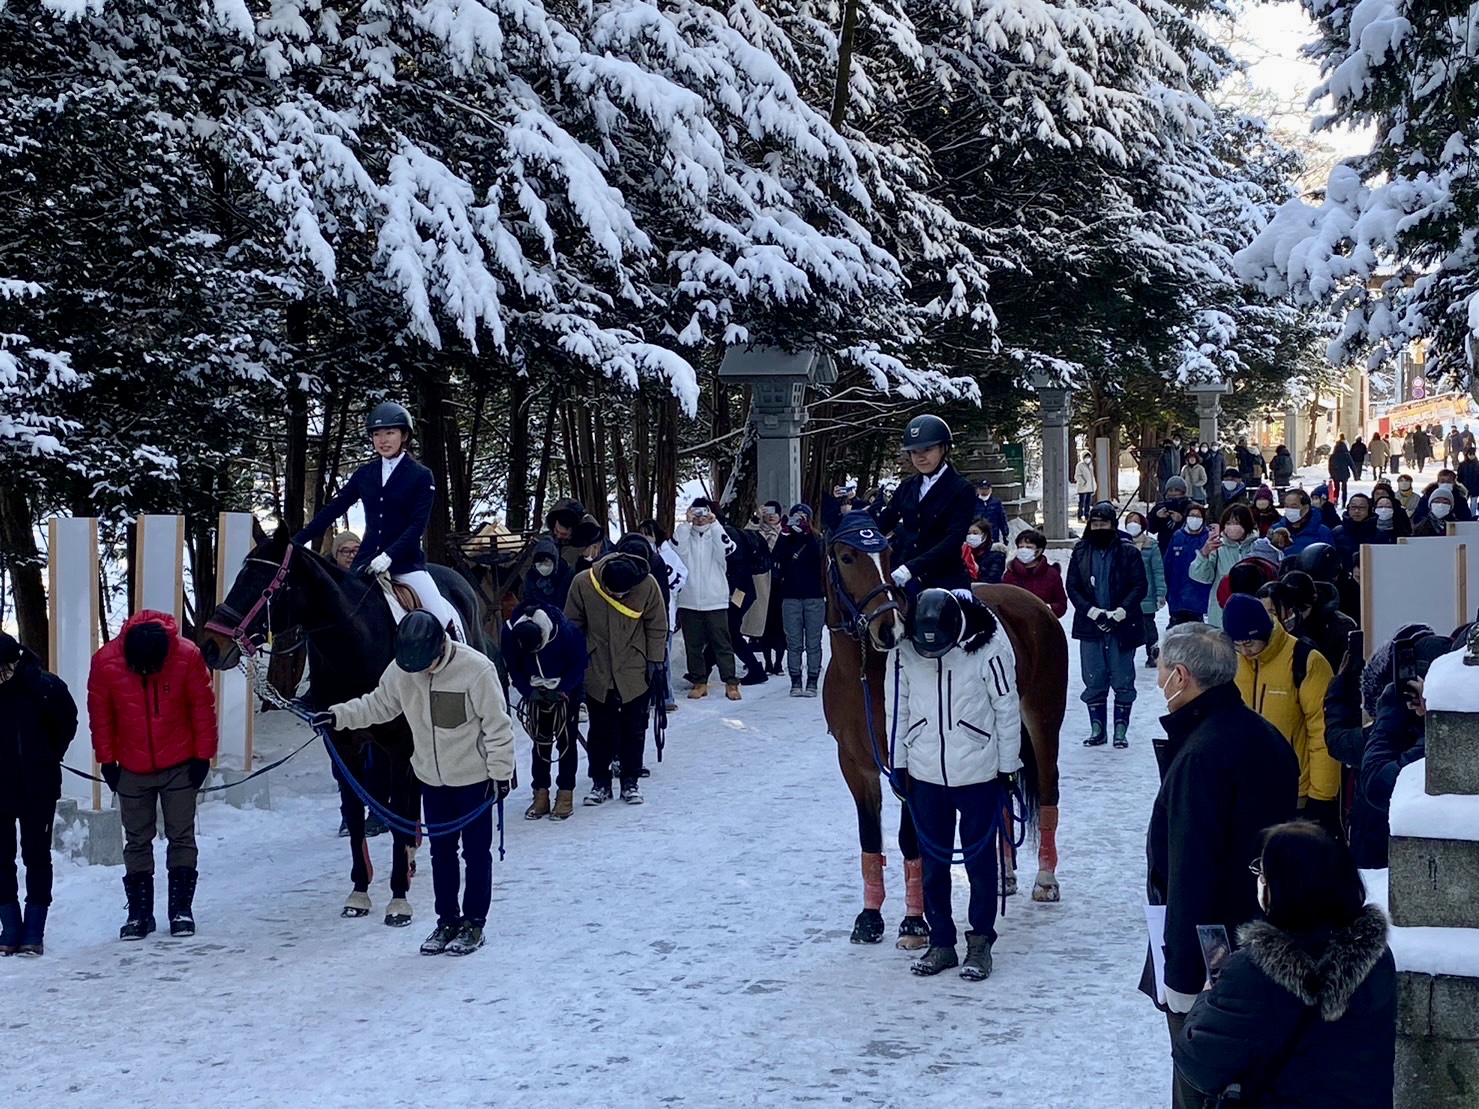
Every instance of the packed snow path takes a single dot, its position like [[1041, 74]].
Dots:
[[690, 952]]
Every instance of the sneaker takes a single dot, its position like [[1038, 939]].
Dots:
[[796, 690], [437, 942], [811, 687], [631, 794], [598, 795], [935, 960], [469, 939]]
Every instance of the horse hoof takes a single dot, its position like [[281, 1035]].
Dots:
[[868, 928], [357, 905], [914, 933], [398, 913], [1009, 887], [1046, 888]]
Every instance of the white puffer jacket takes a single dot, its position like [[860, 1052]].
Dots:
[[960, 718], [703, 551]]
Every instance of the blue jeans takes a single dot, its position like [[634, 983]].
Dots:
[[934, 808], [443, 805], [1107, 665], [803, 620]]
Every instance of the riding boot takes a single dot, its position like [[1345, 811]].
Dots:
[[10, 928], [1122, 722], [1098, 725], [182, 881], [140, 891]]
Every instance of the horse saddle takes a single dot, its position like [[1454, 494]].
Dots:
[[400, 597]]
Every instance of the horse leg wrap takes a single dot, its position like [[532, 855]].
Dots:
[[914, 887], [873, 892], [1047, 851]]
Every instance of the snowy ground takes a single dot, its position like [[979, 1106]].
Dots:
[[691, 952]]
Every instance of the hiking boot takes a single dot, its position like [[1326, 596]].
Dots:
[[1122, 724], [182, 881], [699, 691], [631, 794], [811, 686], [977, 963], [564, 804], [539, 807], [140, 891], [469, 939], [10, 928], [374, 826], [796, 690], [598, 795], [732, 690], [935, 960], [441, 936], [1098, 729]]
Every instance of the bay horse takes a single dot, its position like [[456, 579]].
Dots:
[[349, 633], [866, 617]]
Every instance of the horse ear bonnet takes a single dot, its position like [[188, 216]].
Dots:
[[145, 647]]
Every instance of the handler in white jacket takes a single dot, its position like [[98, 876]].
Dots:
[[464, 757], [960, 732]]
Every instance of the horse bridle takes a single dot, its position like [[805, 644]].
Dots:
[[856, 620], [240, 633]]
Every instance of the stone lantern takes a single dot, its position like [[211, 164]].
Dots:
[[777, 381]]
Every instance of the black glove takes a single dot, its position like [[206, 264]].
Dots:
[[654, 673], [197, 769], [322, 721], [498, 790], [111, 773]]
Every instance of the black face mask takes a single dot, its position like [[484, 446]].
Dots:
[[1103, 537]]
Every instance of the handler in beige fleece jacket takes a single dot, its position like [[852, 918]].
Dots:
[[464, 758]]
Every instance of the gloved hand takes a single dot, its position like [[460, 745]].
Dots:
[[901, 576], [497, 791], [1094, 614], [1117, 615], [323, 721], [378, 565], [198, 769], [654, 673], [111, 772]]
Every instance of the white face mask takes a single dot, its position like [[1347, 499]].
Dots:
[[1404, 485], [1440, 509], [1026, 554], [1234, 532], [544, 568], [1263, 898], [974, 540], [1229, 485], [1263, 504], [1294, 515], [1385, 513], [1134, 529], [1193, 523], [1164, 687]]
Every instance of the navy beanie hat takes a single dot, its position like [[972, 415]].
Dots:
[[802, 509], [1246, 618]]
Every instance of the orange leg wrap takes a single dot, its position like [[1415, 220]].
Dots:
[[873, 892], [1047, 852], [914, 887]]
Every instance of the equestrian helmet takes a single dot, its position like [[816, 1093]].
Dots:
[[926, 431], [419, 641], [1320, 561], [937, 623], [387, 415]]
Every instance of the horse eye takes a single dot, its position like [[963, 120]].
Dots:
[[847, 560]]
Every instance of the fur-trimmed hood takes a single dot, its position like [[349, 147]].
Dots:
[[1328, 980], [979, 622]]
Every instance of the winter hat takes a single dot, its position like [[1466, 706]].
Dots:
[[1175, 485], [984, 483], [10, 650], [1265, 493], [1264, 549], [1442, 493], [1320, 491], [801, 510], [1246, 618], [145, 647], [343, 539], [621, 574]]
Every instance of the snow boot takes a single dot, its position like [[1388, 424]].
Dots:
[[34, 930], [182, 881], [977, 963], [796, 690], [10, 928], [935, 960], [441, 936], [811, 686], [469, 939], [564, 804], [598, 795], [140, 891], [630, 793], [732, 690], [699, 690], [1122, 724], [539, 808], [1098, 732]]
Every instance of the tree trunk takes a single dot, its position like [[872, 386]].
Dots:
[[541, 484], [459, 480], [641, 450], [844, 64], [626, 499], [1309, 440], [18, 548], [666, 469], [516, 493], [295, 461], [434, 457]]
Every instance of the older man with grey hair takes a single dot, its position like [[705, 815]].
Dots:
[[1227, 774]]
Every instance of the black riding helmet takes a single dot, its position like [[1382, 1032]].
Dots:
[[388, 415], [419, 641], [937, 623], [926, 431], [1321, 561]]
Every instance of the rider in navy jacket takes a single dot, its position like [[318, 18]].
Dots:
[[396, 514], [929, 526]]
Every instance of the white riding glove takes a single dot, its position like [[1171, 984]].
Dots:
[[380, 564], [1095, 613], [1117, 615], [901, 576]]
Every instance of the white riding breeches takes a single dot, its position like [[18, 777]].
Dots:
[[432, 600]]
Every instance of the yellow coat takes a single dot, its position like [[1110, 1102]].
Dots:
[[1267, 686]]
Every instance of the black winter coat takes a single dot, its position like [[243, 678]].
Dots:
[[1229, 775], [1127, 585], [1341, 467], [1163, 527], [1282, 468], [798, 565], [551, 590], [1358, 453], [1257, 1017], [928, 535], [1251, 463], [1397, 739], [38, 719]]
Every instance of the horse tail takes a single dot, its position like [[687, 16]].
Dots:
[[1027, 777]]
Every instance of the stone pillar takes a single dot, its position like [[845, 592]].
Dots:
[[1106, 469], [778, 381], [1053, 399], [1434, 902], [1208, 396]]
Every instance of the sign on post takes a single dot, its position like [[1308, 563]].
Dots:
[[159, 564], [72, 601], [233, 690]]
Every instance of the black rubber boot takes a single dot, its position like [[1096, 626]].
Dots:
[[1122, 723], [935, 960], [182, 900], [10, 928], [34, 931], [1098, 726], [140, 891]]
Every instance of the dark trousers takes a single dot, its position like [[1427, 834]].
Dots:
[[707, 629], [139, 796], [618, 733], [443, 805], [1356, 470], [1085, 502], [34, 821], [934, 809], [1183, 1094], [739, 643], [1106, 665], [564, 748], [1338, 490], [1152, 636]]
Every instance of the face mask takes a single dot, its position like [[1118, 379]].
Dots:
[[1134, 529], [1404, 485], [1263, 893], [974, 540], [544, 568], [1229, 485], [1103, 537], [1263, 504], [1385, 513], [1440, 509], [1294, 515], [1193, 524], [1026, 555], [1234, 532], [1165, 688]]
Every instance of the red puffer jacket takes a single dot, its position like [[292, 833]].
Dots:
[[149, 724]]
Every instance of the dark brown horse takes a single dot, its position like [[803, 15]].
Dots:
[[866, 621]]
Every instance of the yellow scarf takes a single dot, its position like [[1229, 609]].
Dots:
[[612, 601]]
